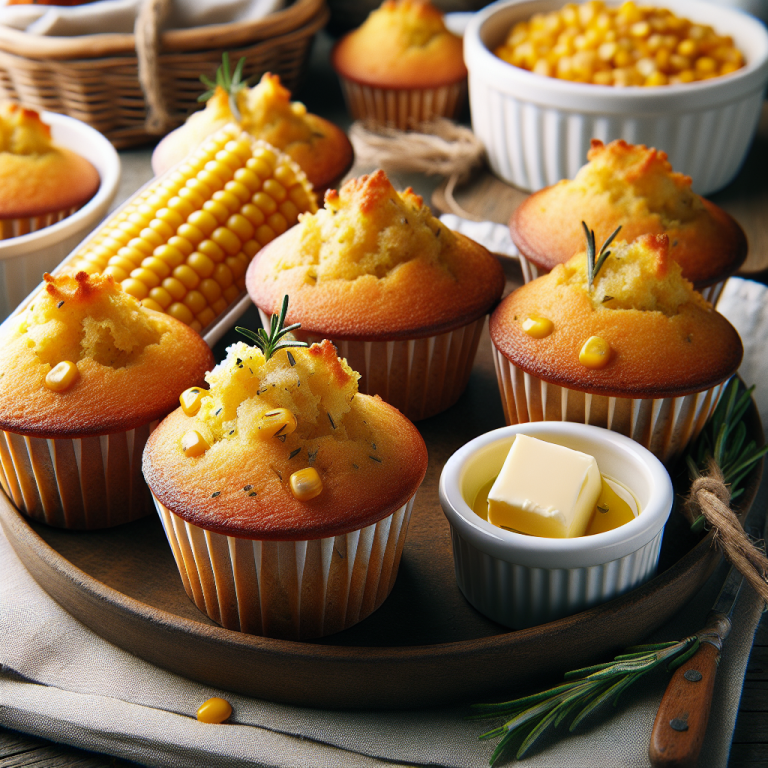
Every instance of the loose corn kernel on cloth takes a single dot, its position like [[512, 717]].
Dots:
[[62, 682]]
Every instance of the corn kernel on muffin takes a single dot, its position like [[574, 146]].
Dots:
[[634, 187], [40, 183], [320, 148], [403, 298], [402, 66], [87, 371], [641, 352], [237, 503]]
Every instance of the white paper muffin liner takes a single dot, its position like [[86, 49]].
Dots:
[[294, 590], [420, 377], [79, 483], [520, 596], [25, 225], [664, 426], [530, 272], [403, 108]]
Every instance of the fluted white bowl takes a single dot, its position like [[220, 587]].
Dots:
[[537, 130], [521, 581], [24, 259]]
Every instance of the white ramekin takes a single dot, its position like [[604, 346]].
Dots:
[[420, 377], [294, 590], [25, 258], [537, 130], [77, 483], [521, 581]]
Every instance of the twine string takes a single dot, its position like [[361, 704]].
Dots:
[[436, 147], [149, 21], [710, 496]]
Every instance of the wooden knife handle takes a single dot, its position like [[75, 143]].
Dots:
[[681, 721]]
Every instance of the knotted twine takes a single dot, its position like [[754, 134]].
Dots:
[[710, 496], [436, 147]]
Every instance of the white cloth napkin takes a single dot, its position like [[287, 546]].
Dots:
[[120, 15]]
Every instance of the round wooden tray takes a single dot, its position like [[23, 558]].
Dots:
[[425, 646]]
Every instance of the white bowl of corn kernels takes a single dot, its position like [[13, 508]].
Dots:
[[537, 128], [521, 580]]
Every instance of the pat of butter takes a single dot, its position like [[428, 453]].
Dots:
[[545, 489]]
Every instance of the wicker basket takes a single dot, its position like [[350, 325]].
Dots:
[[96, 78]]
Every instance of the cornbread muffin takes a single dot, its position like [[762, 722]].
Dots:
[[641, 353], [634, 187], [403, 298], [288, 563], [87, 372], [402, 66], [40, 183], [320, 148]]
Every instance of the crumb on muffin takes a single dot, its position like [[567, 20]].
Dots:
[[87, 316]]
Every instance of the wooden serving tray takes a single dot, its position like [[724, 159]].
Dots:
[[426, 646]]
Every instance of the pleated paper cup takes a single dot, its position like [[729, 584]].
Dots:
[[77, 483], [23, 226], [420, 377], [664, 425], [403, 108], [294, 590]]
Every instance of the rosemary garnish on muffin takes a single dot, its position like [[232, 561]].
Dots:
[[271, 342], [593, 263], [231, 83]]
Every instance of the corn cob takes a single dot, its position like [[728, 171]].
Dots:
[[183, 245]]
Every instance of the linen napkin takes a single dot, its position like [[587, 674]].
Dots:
[[120, 15]]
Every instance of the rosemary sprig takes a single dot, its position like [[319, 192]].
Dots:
[[583, 692], [231, 83], [724, 439], [271, 342], [595, 263]]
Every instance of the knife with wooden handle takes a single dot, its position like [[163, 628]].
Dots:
[[681, 722]]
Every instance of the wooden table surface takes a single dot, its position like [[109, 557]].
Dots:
[[747, 200]]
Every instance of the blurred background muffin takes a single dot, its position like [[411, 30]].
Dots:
[[633, 187], [630, 346], [402, 66], [40, 183], [87, 372], [402, 297]]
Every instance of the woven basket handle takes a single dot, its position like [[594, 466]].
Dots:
[[149, 20]]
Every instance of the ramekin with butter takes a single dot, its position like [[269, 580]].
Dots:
[[522, 580]]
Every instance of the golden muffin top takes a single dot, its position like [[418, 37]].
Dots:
[[87, 358], [36, 177], [656, 336], [633, 186], [265, 418], [375, 263], [266, 112], [402, 44]]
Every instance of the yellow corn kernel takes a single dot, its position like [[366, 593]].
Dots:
[[205, 221], [169, 255], [151, 236], [288, 209], [255, 216], [191, 233], [146, 276], [181, 206], [306, 484], [595, 353], [161, 296], [190, 400], [219, 305], [118, 273], [217, 209], [214, 710], [240, 226], [173, 218], [122, 263], [212, 251], [192, 197], [206, 317], [210, 289], [222, 274], [537, 327], [187, 276], [135, 288], [259, 167], [264, 202], [180, 312], [236, 267], [232, 202], [251, 248], [195, 301], [150, 303], [248, 178], [221, 171], [181, 244], [228, 158], [227, 239], [201, 263], [62, 376], [276, 423], [193, 444], [265, 234], [239, 190], [278, 223], [175, 288], [211, 180]]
